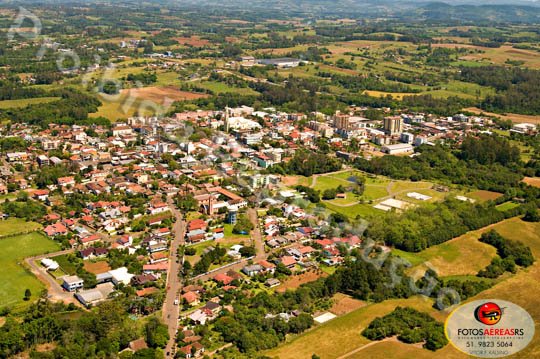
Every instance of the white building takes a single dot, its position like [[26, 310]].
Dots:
[[241, 123], [285, 62], [397, 149], [49, 264], [121, 275], [72, 282], [524, 128]]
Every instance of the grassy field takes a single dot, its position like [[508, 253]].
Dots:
[[517, 118], [342, 335], [220, 87], [376, 189], [65, 264], [483, 196], [506, 206], [6, 104], [518, 289], [14, 277], [464, 255], [362, 210], [532, 181], [455, 257], [16, 225]]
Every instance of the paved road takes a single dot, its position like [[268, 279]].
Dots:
[[56, 292], [174, 283]]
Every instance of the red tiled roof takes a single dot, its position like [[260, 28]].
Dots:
[[223, 278]]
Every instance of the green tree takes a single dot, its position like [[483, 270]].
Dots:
[[27, 294]]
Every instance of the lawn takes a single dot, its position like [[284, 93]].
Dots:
[[323, 183], [228, 232], [6, 104], [12, 226], [408, 186], [65, 264], [506, 206], [375, 187], [220, 87], [14, 277], [350, 198], [484, 196], [373, 192]]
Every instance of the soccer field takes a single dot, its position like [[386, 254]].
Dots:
[[14, 278]]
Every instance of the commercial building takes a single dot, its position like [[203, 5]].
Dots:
[[285, 62], [393, 125], [406, 137], [397, 149]]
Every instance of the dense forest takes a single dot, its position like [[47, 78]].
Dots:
[[485, 162], [307, 163], [72, 107], [464, 288], [518, 90]]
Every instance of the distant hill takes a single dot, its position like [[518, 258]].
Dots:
[[523, 11], [467, 11], [495, 13]]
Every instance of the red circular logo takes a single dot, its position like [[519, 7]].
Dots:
[[488, 313]]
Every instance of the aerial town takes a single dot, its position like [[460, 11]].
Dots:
[[133, 203], [269, 180]]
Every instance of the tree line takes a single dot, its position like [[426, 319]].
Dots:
[[431, 224], [510, 254], [410, 325]]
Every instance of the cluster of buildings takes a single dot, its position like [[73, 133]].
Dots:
[[126, 177]]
